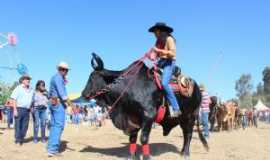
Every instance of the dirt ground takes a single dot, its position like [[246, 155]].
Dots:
[[107, 143]]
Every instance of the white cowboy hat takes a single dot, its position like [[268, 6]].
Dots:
[[63, 65], [202, 87]]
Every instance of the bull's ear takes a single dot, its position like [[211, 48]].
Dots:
[[96, 62]]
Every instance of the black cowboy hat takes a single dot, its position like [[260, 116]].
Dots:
[[162, 26]]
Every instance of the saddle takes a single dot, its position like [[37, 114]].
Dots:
[[180, 84]]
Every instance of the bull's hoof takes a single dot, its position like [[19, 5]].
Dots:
[[133, 157], [182, 153], [147, 158], [186, 157]]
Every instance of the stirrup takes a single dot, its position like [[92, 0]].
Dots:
[[173, 113]]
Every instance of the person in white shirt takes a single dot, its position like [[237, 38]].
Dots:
[[21, 100]]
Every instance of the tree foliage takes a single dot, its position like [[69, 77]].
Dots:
[[243, 88], [266, 84], [5, 91]]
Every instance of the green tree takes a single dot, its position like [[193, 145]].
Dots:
[[243, 88], [266, 84], [5, 91], [259, 94], [260, 89]]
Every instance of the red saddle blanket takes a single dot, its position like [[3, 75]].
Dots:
[[183, 86]]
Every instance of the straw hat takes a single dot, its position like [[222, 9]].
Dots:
[[63, 65]]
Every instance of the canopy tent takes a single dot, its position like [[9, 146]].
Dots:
[[76, 99], [73, 96], [260, 106], [80, 101]]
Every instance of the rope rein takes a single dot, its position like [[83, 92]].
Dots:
[[132, 70]]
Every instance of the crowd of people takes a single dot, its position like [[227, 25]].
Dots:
[[227, 115], [49, 109], [92, 115], [25, 101], [249, 118], [265, 116]]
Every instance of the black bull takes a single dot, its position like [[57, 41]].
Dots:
[[137, 109]]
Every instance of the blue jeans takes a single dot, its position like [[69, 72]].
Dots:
[[168, 66], [76, 118], [21, 124], [204, 120], [57, 125], [244, 121], [9, 116], [68, 118], [39, 117]]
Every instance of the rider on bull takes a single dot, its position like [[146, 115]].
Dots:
[[165, 49]]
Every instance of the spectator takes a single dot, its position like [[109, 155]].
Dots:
[[204, 110], [244, 119], [1, 115], [69, 114], [76, 114], [21, 100], [255, 117], [268, 116], [99, 115], [39, 110], [9, 112], [59, 99], [91, 116], [250, 118]]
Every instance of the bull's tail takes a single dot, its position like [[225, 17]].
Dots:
[[202, 138]]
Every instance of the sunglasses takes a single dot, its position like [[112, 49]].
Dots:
[[63, 69]]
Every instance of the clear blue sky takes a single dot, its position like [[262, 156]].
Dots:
[[69, 30]]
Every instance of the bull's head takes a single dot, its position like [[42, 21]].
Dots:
[[96, 79]]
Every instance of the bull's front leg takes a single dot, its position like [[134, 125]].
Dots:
[[212, 124], [133, 146], [146, 129]]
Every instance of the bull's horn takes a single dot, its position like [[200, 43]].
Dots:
[[96, 62]]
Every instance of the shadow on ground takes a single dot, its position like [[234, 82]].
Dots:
[[157, 149]]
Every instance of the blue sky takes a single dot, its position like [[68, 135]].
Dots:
[[217, 41]]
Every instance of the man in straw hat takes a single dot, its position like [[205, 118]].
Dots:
[[165, 49], [58, 98], [21, 100], [204, 110]]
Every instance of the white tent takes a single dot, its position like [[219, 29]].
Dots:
[[260, 106]]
